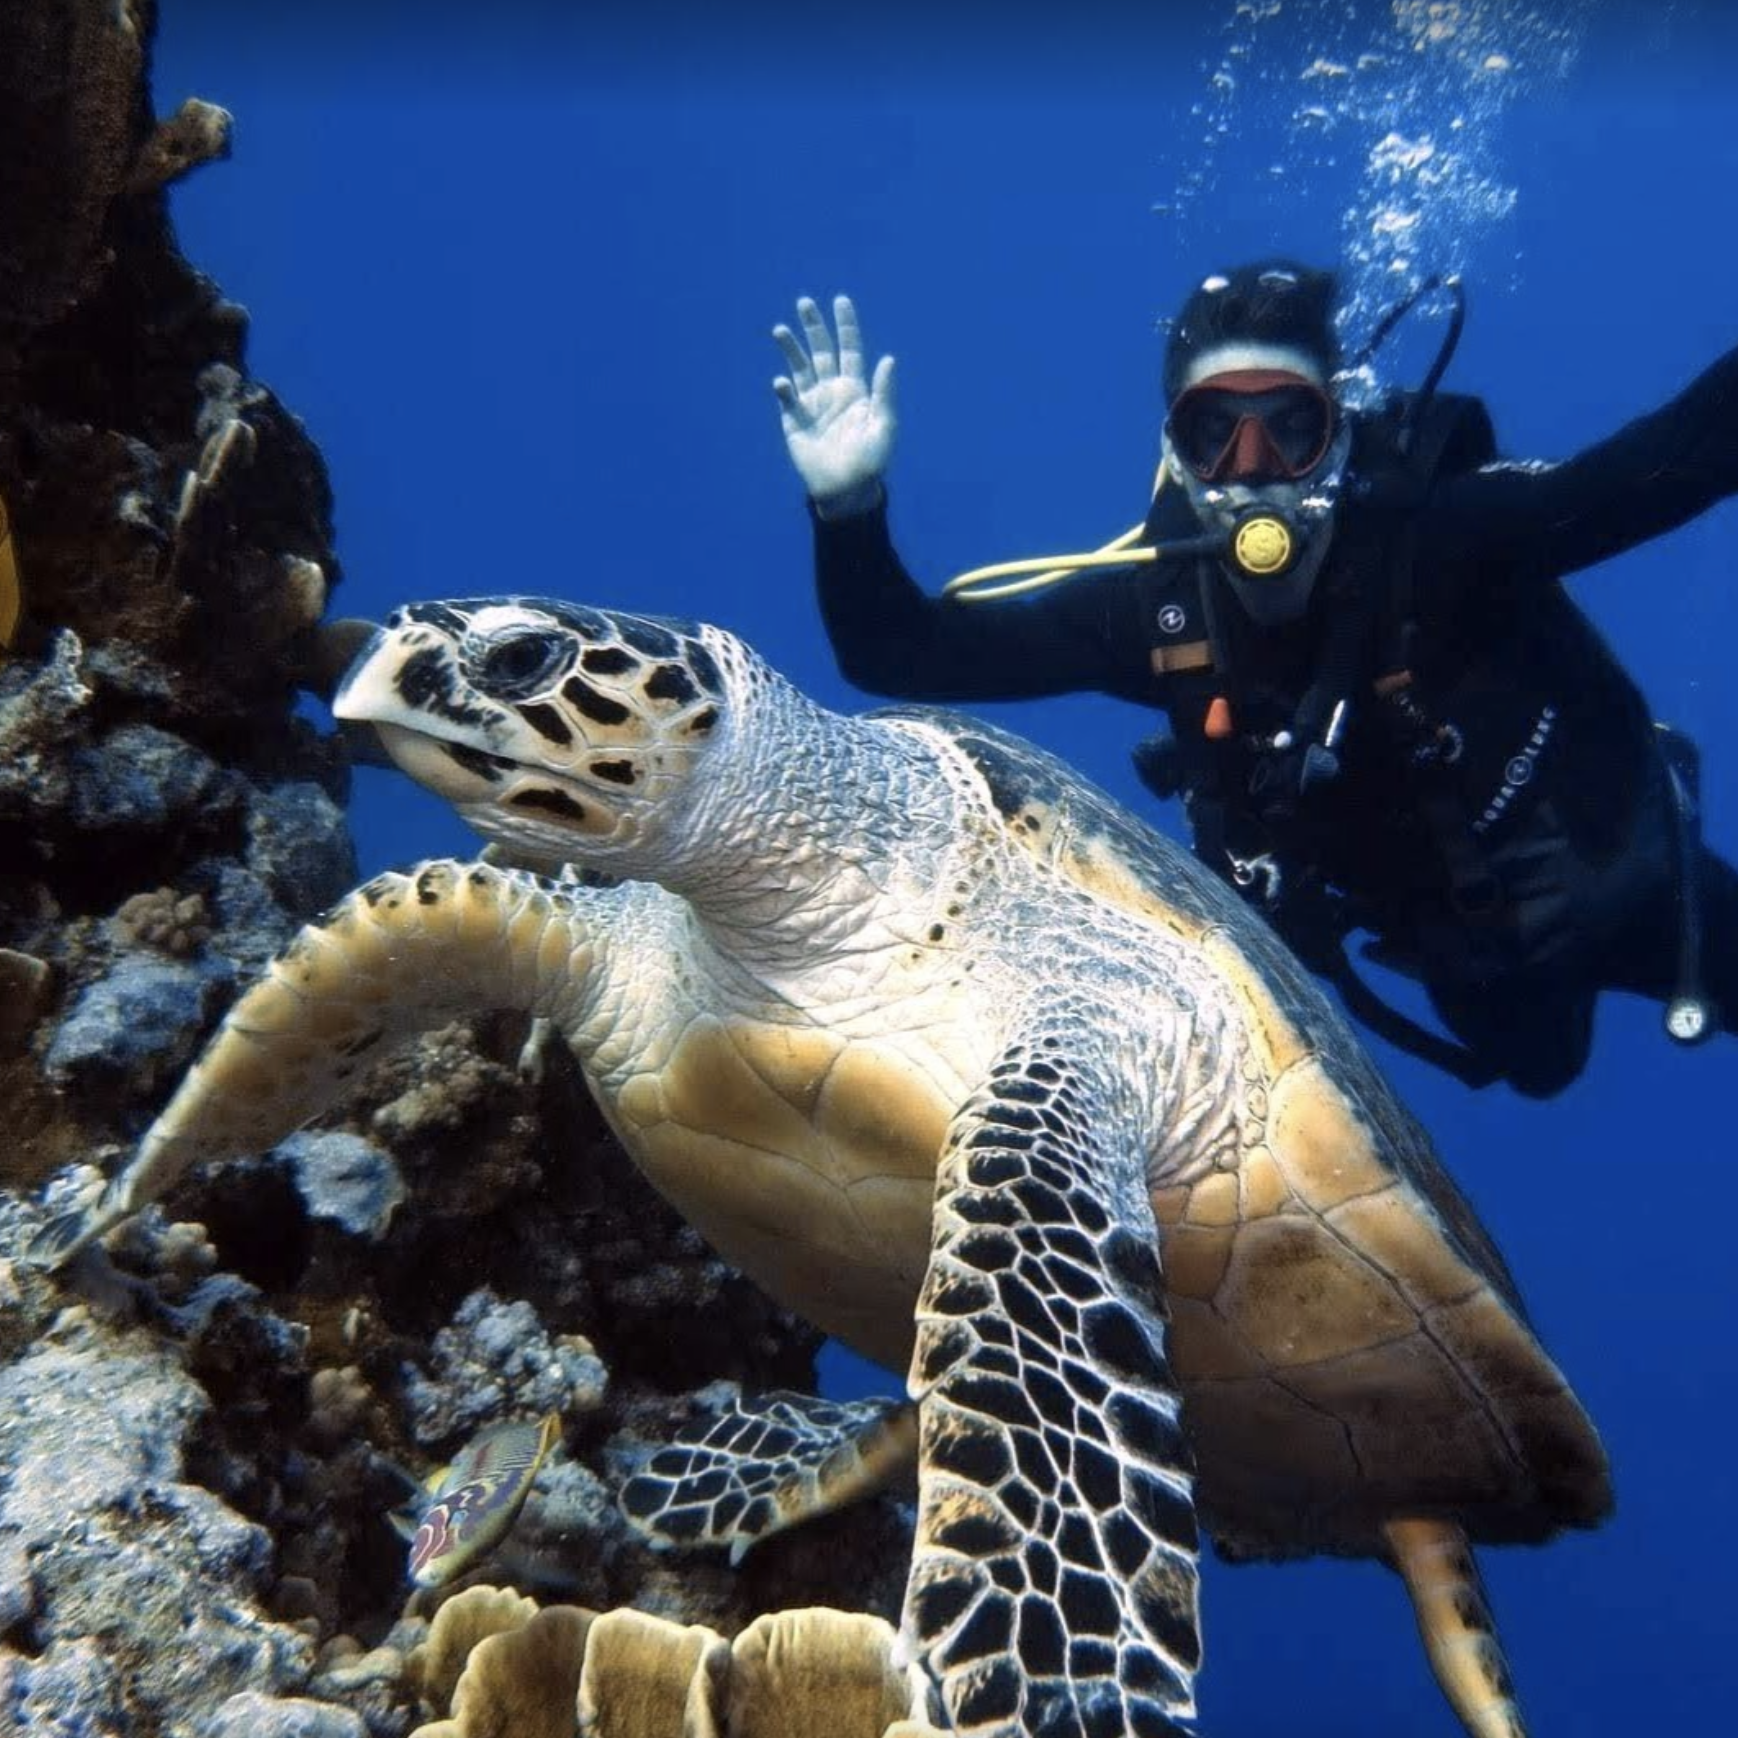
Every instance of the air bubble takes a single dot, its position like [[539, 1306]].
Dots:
[[1400, 128]]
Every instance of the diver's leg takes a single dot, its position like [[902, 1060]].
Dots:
[[1533, 1032]]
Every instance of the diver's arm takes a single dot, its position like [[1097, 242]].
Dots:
[[1544, 521], [890, 637]]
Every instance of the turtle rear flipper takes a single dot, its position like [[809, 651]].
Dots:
[[1054, 1584], [765, 1463], [1456, 1626]]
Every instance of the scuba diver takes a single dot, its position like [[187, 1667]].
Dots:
[[1385, 714]]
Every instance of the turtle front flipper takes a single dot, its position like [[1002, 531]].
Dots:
[[1454, 1620], [1055, 1577], [765, 1463], [402, 955]]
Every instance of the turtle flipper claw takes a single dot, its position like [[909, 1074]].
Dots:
[[57, 1242], [79, 1223]]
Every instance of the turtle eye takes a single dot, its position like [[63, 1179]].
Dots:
[[522, 663]]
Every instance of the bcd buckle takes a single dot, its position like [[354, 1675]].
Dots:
[[1247, 872]]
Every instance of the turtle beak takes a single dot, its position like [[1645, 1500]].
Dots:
[[364, 692], [462, 778], [336, 646], [342, 647], [371, 707]]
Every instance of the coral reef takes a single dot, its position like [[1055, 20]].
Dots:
[[171, 526], [492, 1353], [202, 1431]]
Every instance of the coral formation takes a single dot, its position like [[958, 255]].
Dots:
[[176, 924], [202, 1431], [495, 1663], [109, 1540], [493, 1352]]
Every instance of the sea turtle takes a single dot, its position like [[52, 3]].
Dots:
[[988, 1080]]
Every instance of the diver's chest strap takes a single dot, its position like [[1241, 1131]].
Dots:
[[1191, 655]]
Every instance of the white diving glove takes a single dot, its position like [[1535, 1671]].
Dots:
[[838, 425]]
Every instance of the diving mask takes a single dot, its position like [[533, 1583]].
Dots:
[[1252, 425]]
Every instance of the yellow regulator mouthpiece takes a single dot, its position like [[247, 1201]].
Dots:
[[1263, 545]]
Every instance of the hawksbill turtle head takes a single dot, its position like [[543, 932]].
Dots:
[[570, 732]]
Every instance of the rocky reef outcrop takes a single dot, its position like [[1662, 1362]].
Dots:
[[202, 1431]]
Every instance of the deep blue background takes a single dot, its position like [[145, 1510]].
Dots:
[[519, 285]]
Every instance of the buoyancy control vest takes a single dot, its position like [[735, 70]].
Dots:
[[1258, 721], [1257, 716], [1464, 732]]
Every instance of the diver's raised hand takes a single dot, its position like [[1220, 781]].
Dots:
[[838, 424]]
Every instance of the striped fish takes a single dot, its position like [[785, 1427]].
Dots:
[[471, 1505]]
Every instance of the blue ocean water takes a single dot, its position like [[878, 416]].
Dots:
[[518, 279]]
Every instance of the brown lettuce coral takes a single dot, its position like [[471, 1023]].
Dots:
[[569, 1673]]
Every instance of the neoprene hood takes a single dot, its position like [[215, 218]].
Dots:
[[1271, 304]]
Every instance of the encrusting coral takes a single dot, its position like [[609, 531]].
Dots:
[[173, 923], [202, 1433]]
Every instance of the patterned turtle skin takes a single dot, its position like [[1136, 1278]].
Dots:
[[980, 1075], [765, 1462]]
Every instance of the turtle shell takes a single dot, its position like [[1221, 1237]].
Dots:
[[1350, 1345]]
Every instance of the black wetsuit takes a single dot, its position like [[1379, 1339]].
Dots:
[[1505, 828]]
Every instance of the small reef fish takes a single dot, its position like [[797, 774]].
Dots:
[[11, 588], [471, 1505]]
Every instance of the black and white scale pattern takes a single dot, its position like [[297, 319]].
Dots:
[[1054, 1587], [764, 1462]]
